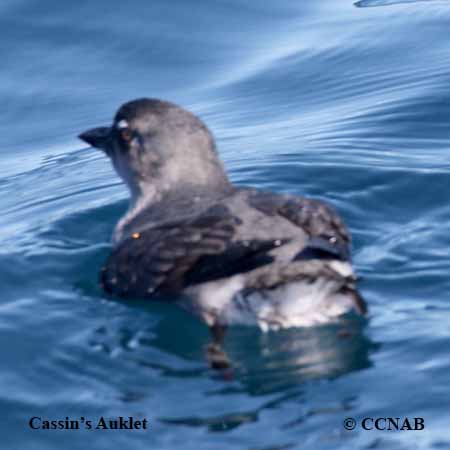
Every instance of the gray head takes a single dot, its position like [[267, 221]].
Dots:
[[156, 146]]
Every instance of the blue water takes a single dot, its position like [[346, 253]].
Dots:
[[348, 103]]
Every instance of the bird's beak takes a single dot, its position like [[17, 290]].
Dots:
[[96, 137]]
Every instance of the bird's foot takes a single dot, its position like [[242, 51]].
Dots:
[[216, 357]]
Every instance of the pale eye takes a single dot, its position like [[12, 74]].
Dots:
[[122, 124]]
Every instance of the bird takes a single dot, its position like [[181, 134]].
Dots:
[[230, 255]]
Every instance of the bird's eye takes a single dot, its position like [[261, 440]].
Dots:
[[127, 135]]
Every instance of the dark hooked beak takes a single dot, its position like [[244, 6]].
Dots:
[[96, 137]]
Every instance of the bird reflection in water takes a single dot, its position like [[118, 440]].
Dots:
[[268, 368]]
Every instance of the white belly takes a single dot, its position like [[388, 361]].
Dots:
[[296, 304]]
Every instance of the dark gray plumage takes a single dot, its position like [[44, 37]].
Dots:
[[191, 236]]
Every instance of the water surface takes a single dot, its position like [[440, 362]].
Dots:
[[344, 103]]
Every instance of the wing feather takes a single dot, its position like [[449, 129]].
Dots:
[[166, 259]]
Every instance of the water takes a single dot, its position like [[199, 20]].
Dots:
[[348, 103]]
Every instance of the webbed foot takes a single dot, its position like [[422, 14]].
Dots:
[[216, 357]]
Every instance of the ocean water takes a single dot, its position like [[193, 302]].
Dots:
[[345, 102]]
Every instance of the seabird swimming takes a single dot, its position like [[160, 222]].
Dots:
[[231, 255]]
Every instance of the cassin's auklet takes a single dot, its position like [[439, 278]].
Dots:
[[230, 255]]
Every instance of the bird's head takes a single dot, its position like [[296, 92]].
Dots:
[[156, 145]]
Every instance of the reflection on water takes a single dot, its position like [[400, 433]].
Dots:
[[275, 361], [274, 366], [287, 359]]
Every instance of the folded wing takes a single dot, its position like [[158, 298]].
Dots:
[[164, 260]]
